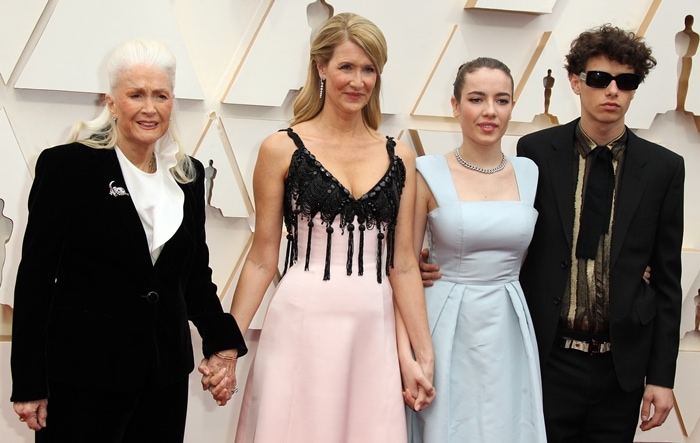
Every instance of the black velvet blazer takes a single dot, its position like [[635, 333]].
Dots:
[[647, 230], [90, 307]]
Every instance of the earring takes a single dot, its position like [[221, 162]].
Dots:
[[320, 91], [114, 118]]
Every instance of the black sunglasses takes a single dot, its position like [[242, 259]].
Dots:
[[601, 79]]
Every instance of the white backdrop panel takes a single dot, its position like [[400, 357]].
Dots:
[[435, 100], [18, 19], [658, 92], [72, 52], [563, 102], [225, 189], [245, 136], [534, 6], [15, 181]]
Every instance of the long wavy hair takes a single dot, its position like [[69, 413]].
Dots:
[[101, 133], [337, 30]]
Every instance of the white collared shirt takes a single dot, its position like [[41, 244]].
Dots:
[[157, 197]]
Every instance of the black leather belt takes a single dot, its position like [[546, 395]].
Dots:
[[591, 347]]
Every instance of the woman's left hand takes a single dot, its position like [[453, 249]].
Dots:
[[418, 391], [219, 375]]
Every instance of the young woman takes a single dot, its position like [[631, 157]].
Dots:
[[477, 205]]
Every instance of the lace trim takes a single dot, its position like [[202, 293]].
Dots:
[[311, 190]]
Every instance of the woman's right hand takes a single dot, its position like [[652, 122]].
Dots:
[[418, 392], [428, 271], [219, 375], [32, 412]]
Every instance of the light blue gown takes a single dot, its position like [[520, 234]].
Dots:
[[486, 363]]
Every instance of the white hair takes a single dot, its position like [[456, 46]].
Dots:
[[101, 132]]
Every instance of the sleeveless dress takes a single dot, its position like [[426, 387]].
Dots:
[[487, 373], [326, 368]]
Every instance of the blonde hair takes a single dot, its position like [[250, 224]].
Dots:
[[338, 29], [101, 132]]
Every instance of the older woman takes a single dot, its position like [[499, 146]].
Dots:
[[327, 367], [114, 264]]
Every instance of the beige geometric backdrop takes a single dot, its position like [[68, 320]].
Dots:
[[240, 64]]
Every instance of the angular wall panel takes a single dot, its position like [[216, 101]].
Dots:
[[15, 181], [434, 100], [278, 56], [76, 60], [214, 31], [245, 136], [658, 92], [17, 21], [224, 184], [545, 67], [690, 281], [280, 45], [225, 256], [528, 6], [676, 131], [684, 418], [6, 227]]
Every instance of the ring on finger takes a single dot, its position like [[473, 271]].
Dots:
[[234, 390]]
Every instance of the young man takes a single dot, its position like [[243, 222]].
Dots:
[[609, 203]]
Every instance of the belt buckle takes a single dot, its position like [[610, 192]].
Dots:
[[594, 347], [590, 347]]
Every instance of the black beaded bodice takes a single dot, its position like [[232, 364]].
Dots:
[[311, 190]]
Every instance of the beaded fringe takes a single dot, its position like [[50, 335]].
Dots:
[[327, 268], [351, 248], [292, 250]]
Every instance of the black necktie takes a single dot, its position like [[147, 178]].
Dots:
[[595, 215]]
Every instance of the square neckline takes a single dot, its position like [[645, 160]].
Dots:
[[517, 184]]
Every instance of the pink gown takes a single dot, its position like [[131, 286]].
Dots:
[[326, 369]]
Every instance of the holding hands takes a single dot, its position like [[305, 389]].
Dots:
[[219, 375], [418, 390]]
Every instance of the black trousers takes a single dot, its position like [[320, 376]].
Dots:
[[583, 402], [83, 414]]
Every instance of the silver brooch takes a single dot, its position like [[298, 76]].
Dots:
[[116, 191]]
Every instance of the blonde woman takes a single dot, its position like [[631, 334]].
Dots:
[[327, 367]]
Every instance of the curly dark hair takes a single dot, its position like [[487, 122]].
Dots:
[[618, 45]]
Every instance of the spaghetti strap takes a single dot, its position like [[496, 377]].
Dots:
[[295, 137]]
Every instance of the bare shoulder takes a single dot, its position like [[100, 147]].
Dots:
[[275, 154], [405, 152], [277, 145], [277, 141]]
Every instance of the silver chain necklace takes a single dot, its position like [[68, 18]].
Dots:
[[468, 165]]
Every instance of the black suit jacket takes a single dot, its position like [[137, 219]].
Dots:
[[82, 312], [648, 230]]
